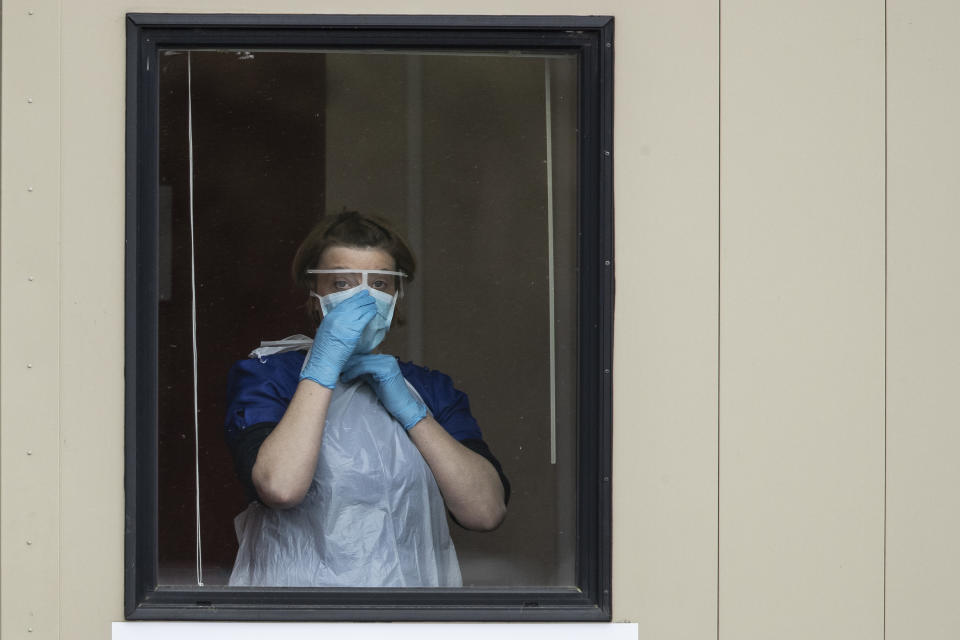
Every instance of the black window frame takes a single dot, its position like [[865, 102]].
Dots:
[[591, 37]]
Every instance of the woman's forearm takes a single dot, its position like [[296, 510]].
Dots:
[[471, 487], [287, 459]]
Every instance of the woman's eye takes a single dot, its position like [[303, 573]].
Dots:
[[380, 284], [340, 285]]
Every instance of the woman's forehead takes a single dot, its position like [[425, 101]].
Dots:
[[341, 257]]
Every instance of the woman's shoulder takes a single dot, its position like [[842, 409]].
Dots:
[[259, 389], [413, 371], [430, 382], [279, 366], [449, 405], [273, 362]]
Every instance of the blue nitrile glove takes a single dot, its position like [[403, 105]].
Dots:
[[337, 337], [382, 373]]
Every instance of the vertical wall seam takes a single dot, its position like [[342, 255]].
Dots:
[[719, 266], [2, 57], [883, 621], [60, 315]]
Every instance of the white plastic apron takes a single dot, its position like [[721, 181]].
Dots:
[[373, 516]]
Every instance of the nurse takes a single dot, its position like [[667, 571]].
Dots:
[[354, 458]]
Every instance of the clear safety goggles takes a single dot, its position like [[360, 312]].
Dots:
[[336, 280]]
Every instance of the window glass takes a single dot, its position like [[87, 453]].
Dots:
[[472, 155]]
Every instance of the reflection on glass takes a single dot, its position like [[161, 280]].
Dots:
[[472, 157]]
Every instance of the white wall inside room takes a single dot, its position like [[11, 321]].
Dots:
[[785, 353]]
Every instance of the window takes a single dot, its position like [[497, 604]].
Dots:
[[487, 141]]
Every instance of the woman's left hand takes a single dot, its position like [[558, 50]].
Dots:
[[471, 488], [382, 373]]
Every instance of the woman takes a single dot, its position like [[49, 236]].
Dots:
[[352, 456]]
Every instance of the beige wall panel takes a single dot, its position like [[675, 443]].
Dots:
[[665, 374], [92, 351], [923, 315], [801, 333], [30, 323]]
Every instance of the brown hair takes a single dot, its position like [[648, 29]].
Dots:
[[349, 229]]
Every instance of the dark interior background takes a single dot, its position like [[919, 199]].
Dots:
[[451, 148]]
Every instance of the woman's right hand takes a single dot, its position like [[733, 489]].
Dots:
[[287, 459], [337, 337]]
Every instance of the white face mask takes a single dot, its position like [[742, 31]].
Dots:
[[376, 329]]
